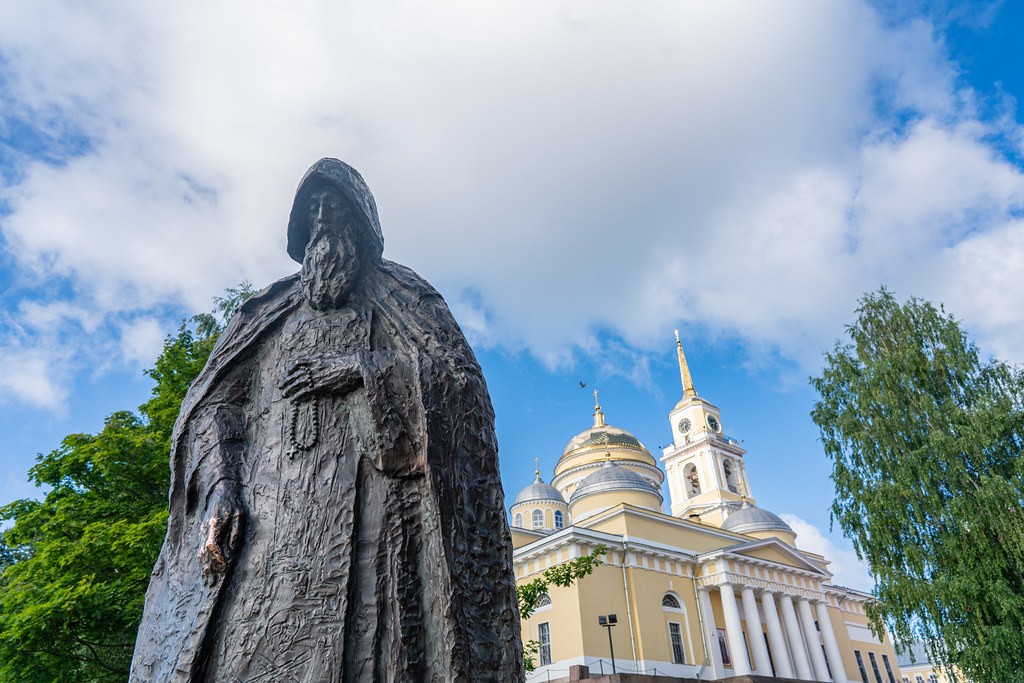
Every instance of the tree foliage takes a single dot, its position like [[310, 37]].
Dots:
[[562, 575], [925, 438], [75, 565]]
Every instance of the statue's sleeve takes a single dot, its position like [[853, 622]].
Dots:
[[216, 443], [181, 602], [391, 383]]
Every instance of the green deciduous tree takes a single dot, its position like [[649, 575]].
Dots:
[[926, 438], [75, 565]]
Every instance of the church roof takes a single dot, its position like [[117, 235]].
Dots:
[[611, 477], [749, 519], [538, 491]]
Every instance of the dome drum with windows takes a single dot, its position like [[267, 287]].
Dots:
[[540, 507]]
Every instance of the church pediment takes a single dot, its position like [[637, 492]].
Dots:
[[777, 552]]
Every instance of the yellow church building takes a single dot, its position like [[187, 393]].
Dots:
[[715, 588]]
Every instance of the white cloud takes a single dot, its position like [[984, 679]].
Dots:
[[578, 166], [142, 340], [31, 376], [847, 570]]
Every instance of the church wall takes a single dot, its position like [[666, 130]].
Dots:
[[648, 587], [851, 617], [606, 596], [563, 618]]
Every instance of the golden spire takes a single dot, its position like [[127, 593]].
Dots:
[[598, 415], [536, 465], [684, 370]]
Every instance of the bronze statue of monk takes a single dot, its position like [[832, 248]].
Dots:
[[336, 512]]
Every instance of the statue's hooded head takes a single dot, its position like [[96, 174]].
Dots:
[[335, 175], [333, 232]]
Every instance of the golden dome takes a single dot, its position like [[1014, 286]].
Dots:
[[602, 442]]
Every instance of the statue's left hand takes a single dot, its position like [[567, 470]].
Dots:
[[327, 373]]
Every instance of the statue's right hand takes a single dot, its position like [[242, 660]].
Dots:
[[222, 535]]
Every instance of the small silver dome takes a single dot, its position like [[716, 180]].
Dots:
[[749, 519], [538, 491], [611, 477]]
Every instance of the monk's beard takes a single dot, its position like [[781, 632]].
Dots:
[[329, 273]]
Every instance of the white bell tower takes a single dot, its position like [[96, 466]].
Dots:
[[706, 474]]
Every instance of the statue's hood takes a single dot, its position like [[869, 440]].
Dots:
[[337, 175]]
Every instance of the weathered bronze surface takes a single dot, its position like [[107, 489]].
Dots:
[[336, 512]]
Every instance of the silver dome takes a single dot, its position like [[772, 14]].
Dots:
[[749, 519], [611, 477], [538, 491]]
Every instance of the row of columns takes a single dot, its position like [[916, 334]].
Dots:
[[795, 648]]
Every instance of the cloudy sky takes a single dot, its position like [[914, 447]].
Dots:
[[578, 178]]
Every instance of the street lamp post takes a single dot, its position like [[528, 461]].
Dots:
[[609, 623]]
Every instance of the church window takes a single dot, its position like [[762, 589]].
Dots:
[[692, 480], [543, 601], [675, 634], [544, 636], [519, 520], [932, 678], [860, 665], [874, 667], [538, 519], [888, 669], [723, 646], [918, 679], [559, 520], [670, 601]]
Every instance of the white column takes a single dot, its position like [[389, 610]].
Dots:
[[711, 634], [740, 663], [796, 639], [835, 659], [776, 640], [811, 639], [755, 636]]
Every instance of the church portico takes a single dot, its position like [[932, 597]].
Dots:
[[776, 620]]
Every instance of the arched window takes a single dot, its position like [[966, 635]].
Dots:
[[519, 520], [692, 480], [730, 476], [675, 629], [559, 520], [543, 601], [538, 519]]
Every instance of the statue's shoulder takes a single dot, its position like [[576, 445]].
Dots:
[[262, 307], [269, 295], [405, 280]]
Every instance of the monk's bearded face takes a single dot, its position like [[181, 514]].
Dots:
[[332, 263]]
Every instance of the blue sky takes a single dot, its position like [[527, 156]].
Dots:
[[578, 178]]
